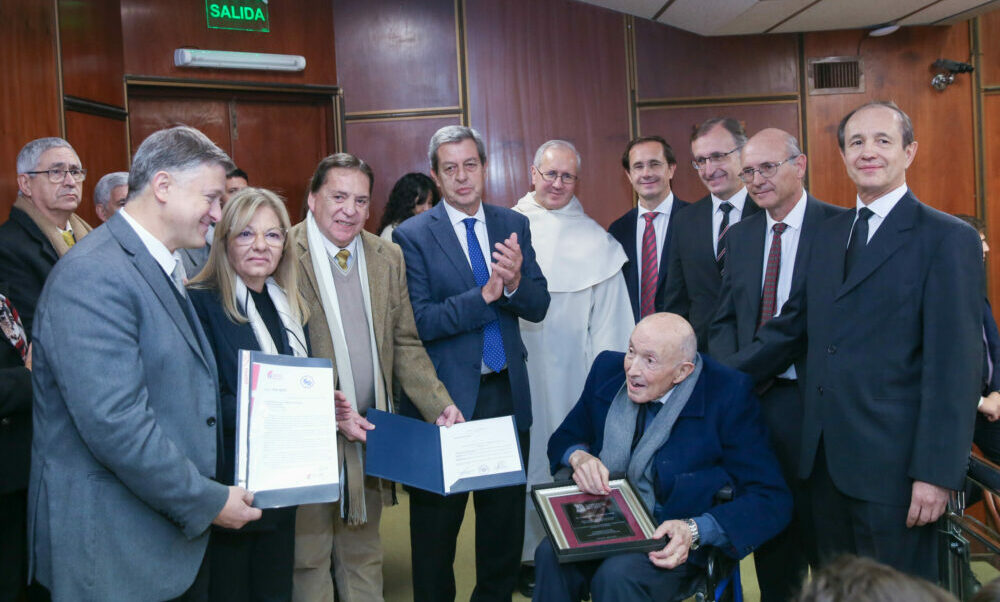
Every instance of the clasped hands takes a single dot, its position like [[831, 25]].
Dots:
[[355, 427], [506, 274], [591, 476]]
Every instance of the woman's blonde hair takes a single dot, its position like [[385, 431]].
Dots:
[[218, 273]]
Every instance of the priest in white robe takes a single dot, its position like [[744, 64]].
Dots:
[[589, 312]]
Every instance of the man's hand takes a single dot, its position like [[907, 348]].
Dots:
[[237, 511], [675, 553], [493, 287], [449, 416], [354, 426], [508, 258], [927, 503], [991, 406], [27, 360], [589, 473]]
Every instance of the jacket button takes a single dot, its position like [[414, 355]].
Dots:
[[210, 421], [831, 349], [819, 390], [5, 421]]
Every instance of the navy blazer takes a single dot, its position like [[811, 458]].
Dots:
[[450, 311], [623, 229], [693, 282], [718, 439], [892, 353]]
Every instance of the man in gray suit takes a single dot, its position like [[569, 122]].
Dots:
[[121, 494]]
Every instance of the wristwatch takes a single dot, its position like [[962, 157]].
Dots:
[[695, 536]]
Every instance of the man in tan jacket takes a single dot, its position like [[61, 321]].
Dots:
[[361, 318]]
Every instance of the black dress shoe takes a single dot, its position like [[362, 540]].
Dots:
[[526, 580]]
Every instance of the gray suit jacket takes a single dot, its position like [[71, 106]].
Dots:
[[194, 259], [126, 403]]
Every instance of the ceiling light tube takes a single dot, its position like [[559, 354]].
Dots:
[[223, 59]]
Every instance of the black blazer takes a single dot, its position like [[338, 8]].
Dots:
[[693, 282], [26, 258], [227, 338], [15, 417], [893, 353], [623, 229]]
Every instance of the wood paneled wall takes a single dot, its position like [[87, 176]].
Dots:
[[987, 29]]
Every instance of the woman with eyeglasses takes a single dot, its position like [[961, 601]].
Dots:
[[247, 298]]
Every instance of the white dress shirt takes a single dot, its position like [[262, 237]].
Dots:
[[738, 201], [332, 250], [482, 235], [167, 260], [660, 224], [789, 248], [880, 209]]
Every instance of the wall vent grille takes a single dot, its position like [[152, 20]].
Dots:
[[836, 75]]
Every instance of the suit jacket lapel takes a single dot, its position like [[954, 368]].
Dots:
[[811, 221], [755, 271], [631, 219], [674, 208], [704, 242], [446, 238], [378, 283], [889, 237]]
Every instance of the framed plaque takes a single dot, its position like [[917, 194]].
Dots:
[[582, 526]]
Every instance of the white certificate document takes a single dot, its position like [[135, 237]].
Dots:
[[477, 449], [286, 440]]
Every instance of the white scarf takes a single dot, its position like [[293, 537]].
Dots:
[[331, 308], [244, 301]]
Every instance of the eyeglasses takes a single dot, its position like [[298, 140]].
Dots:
[[57, 175], [766, 170], [700, 162], [273, 237], [550, 176]]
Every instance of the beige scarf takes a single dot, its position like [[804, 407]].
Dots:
[[52, 232]]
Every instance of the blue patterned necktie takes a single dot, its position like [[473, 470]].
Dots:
[[493, 353]]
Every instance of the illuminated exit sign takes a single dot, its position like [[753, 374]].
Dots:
[[245, 15]]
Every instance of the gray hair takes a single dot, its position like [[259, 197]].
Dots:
[[905, 124], [27, 159], [451, 134], [102, 192], [176, 149], [555, 144]]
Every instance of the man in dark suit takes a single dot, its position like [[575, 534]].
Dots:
[[697, 253], [681, 426], [649, 165], [123, 460], [890, 317], [767, 255], [467, 310], [42, 226]]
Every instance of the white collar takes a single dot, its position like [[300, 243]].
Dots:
[[663, 208], [795, 217], [884, 204], [456, 217], [332, 249], [167, 260], [737, 200]]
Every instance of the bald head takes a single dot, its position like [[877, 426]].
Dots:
[[660, 355], [778, 151]]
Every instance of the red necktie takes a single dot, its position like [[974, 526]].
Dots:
[[720, 253], [650, 266], [769, 295]]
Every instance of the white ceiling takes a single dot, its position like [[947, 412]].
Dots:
[[735, 17]]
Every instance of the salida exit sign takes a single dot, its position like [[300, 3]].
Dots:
[[245, 15]]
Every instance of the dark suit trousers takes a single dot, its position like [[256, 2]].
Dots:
[[13, 544], [783, 562], [987, 437], [435, 521], [253, 565], [622, 578], [847, 525]]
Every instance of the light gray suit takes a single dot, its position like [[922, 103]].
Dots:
[[126, 405]]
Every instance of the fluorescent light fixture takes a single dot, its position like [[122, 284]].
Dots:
[[883, 30], [223, 59]]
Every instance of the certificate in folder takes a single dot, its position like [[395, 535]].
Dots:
[[468, 456], [286, 430]]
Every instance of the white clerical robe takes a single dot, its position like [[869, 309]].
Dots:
[[589, 313]]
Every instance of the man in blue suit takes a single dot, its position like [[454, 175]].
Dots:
[[467, 310], [122, 490], [681, 426], [890, 318], [649, 165]]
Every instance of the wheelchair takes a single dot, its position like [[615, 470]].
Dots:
[[958, 530]]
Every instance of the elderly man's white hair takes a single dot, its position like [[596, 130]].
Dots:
[[555, 144]]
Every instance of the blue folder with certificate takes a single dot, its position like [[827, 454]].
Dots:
[[467, 456], [286, 430]]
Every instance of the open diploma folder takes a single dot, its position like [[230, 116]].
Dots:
[[468, 456], [286, 430]]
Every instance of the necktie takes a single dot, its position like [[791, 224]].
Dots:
[[493, 352], [179, 276], [859, 240], [768, 296], [342, 256], [68, 237], [647, 413], [720, 249], [11, 324], [650, 266]]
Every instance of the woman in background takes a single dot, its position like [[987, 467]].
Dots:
[[413, 193], [247, 298]]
